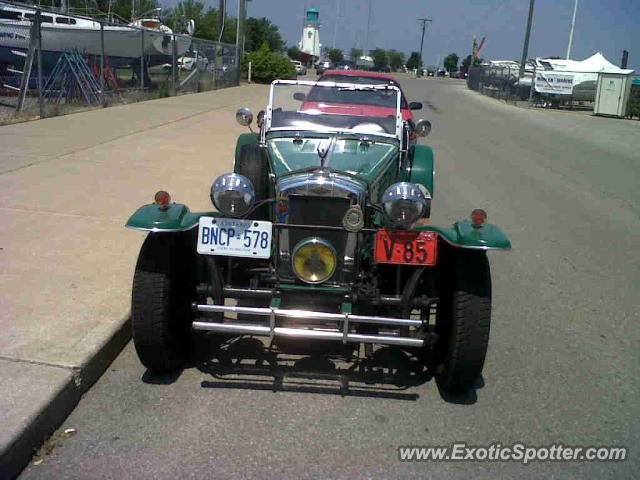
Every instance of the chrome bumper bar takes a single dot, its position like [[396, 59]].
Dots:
[[271, 330]]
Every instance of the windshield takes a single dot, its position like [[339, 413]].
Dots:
[[361, 79], [353, 156], [335, 108]]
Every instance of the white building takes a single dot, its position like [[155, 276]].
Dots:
[[310, 41]]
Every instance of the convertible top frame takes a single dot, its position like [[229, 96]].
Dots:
[[355, 86]]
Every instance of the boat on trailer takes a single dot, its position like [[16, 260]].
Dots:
[[123, 44]]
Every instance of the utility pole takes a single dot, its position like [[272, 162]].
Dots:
[[424, 27], [366, 42], [625, 59], [242, 13], [525, 49], [222, 13], [573, 26], [335, 24]]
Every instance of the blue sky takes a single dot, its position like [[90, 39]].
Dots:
[[602, 25]]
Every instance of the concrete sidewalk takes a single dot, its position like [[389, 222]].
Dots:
[[67, 185]]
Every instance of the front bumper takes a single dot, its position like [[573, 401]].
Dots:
[[343, 333]]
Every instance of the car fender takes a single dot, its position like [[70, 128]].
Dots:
[[175, 218], [422, 167], [246, 139], [464, 234]]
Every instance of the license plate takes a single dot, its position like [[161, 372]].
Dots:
[[234, 237], [405, 247]]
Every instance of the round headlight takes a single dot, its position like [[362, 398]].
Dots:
[[232, 194], [314, 260], [404, 203]]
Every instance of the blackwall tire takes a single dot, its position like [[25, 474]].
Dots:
[[463, 322], [161, 302]]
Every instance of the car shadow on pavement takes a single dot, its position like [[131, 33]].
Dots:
[[161, 378], [247, 363], [316, 367]]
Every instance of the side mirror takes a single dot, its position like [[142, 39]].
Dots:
[[260, 118], [244, 117], [301, 97], [423, 128], [415, 106]]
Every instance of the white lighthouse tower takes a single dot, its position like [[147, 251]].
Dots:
[[310, 42]]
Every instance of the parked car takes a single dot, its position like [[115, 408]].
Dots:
[[323, 66], [299, 66], [377, 103], [346, 65], [191, 60], [319, 236]]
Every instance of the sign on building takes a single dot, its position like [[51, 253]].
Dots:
[[554, 82]]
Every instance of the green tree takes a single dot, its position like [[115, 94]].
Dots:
[[267, 66], [355, 54], [414, 61], [380, 59], [451, 62], [206, 21], [464, 66], [260, 30], [294, 53], [187, 10], [335, 55], [396, 59], [121, 8]]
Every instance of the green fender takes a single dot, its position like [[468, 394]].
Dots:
[[463, 234], [422, 168], [176, 218], [246, 139]]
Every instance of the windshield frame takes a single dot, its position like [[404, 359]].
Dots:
[[273, 148], [328, 130]]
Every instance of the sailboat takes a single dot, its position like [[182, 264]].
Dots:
[[123, 44]]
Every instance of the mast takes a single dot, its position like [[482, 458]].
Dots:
[[366, 42], [573, 26]]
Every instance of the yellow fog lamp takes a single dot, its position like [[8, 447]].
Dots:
[[314, 260]]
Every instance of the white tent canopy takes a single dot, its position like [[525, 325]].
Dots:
[[596, 63]]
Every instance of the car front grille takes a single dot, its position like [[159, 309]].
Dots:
[[316, 211]]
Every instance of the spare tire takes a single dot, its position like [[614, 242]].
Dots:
[[252, 163]]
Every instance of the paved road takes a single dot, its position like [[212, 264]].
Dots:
[[563, 361]]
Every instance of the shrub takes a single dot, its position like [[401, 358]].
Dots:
[[267, 66]]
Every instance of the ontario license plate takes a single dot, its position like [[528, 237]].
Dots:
[[405, 247], [234, 237]]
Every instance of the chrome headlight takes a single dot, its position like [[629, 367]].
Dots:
[[232, 194], [404, 203], [314, 260]]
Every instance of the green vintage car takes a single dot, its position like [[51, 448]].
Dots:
[[320, 234]]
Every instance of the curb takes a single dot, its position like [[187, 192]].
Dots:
[[45, 421]]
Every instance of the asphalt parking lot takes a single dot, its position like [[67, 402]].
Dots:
[[563, 359]]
